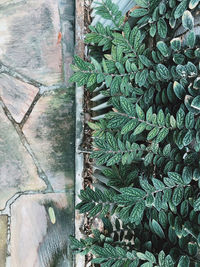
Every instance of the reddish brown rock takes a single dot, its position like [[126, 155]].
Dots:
[[17, 96]]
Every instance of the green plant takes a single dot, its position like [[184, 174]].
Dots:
[[148, 141]]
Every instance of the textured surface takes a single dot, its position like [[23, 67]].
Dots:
[[18, 96], [3, 239], [36, 239], [36, 133], [51, 126], [17, 170], [29, 33]]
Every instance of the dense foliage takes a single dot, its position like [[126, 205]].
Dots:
[[148, 141]]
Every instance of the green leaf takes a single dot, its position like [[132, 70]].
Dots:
[[189, 53], [145, 61], [92, 80], [137, 40], [189, 121], [127, 106], [110, 250], [162, 28], [111, 140], [114, 160], [193, 4], [180, 118], [163, 71], [76, 243], [137, 211], [153, 133], [191, 69], [152, 30], [140, 112], [187, 20], [178, 58], [129, 126], [140, 12], [180, 9], [162, 8], [86, 207], [140, 128], [81, 64], [94, 126], [196, 102], [141, 256], [196, 174], [161, 258], [143, 77], [147, 264], [162, 134], [98, 260], [192, 248], [150, 257], [99, 251], [127, 30], [187, 174], [158, 229], [133, 192], [116, 122], [142, 3], [178, 226], [96, 210], [196, 84], [115, 85], [148, 159], [198, 239], [181, 70], [177, 196], [161, 118], [163, 219], [100, 78], [179, 90], [108, 80], [175, 177], [158, 184], [175, 44], [167, 150], [168, 261], [197, 205], [120, 251], [149, 114], [188, 138], [191, 39], [77, 77], [169, 166], [163, 48], [184, 261], [96, 64], [120, 68], [172, 22], [172, 121]]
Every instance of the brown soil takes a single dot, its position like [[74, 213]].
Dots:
[[87, 139]]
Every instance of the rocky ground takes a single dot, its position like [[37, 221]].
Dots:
[[36, 132]]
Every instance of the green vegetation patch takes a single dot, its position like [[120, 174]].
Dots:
[[148, 142]]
